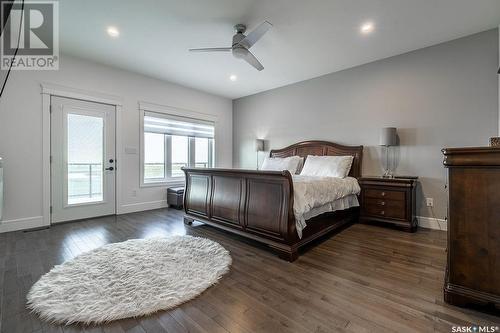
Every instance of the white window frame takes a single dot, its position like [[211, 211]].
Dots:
[[169, 110]]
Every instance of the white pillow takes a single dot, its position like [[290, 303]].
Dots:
[[327, 166], [281, 163]]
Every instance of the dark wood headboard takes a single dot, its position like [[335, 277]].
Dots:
[[323, 148]]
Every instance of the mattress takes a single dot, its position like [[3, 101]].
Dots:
[[317, 195]]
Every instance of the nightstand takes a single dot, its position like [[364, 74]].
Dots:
[[389, 201]]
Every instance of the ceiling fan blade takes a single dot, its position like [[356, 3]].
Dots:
[[212, 49], [255, 35], [250, 58]]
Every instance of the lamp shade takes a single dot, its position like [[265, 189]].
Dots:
[[388, 136], [259, 145]]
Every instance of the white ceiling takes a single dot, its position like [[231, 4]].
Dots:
[[309, 38]]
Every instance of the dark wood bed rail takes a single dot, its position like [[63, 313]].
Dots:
[[259, 204]]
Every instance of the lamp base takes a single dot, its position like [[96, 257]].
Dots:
[[388, 174]]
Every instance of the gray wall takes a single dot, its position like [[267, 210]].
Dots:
[[441, 96]]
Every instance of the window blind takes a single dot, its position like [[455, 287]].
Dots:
[[175, 125]]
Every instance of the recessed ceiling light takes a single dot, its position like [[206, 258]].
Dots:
[[367, 27], [113, 31], [233, 78]]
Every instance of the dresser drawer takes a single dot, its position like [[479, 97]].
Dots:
[[391, 210], [384, 194]]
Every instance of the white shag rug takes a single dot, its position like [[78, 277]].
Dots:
[[129, 279]]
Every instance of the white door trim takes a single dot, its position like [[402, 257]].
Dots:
[[50, 89], [91, 96]]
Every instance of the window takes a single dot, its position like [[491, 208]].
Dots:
[[180, 154], [172, 142], [203, 152], [154, 156]]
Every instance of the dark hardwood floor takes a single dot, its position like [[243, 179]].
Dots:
[[364, 279]]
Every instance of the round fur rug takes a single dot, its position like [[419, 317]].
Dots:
[[128, 279]]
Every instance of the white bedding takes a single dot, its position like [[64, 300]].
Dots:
[[313, 196]]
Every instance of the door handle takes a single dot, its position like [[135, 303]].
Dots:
[[110, 169]]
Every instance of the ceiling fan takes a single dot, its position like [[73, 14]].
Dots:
[[242, 43]]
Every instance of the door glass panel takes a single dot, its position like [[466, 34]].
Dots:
[[85, 159], [154, 157], [180, 153]]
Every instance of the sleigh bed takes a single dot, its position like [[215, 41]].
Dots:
[[259, 204]]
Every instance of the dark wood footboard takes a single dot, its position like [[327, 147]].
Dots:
[[255, 204]]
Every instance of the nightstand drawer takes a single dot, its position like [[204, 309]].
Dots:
[[385, 203], [384, 194], [389, 211]]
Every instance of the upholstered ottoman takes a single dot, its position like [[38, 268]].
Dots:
[[175, 197]]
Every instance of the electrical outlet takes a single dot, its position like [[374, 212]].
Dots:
[[429, 202]]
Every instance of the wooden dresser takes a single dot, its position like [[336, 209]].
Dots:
[[473, 267], [389, 200]]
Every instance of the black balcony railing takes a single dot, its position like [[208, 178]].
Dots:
[[85, 181], [157, 170]]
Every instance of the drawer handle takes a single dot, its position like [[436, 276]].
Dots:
[[383, 194], [382, 213], [382, 203]]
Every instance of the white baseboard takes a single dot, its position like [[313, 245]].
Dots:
[[37, 221], [141, 206], [432, 223], [22, 224]]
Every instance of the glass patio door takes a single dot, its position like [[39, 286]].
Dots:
[[82, 159]]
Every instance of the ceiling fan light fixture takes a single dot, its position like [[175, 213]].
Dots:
[[233, 77], [239, 52]]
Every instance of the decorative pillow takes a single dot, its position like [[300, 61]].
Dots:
[[281, 163], [327, 166]]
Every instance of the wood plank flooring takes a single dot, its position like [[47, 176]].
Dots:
[[364, 279]]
